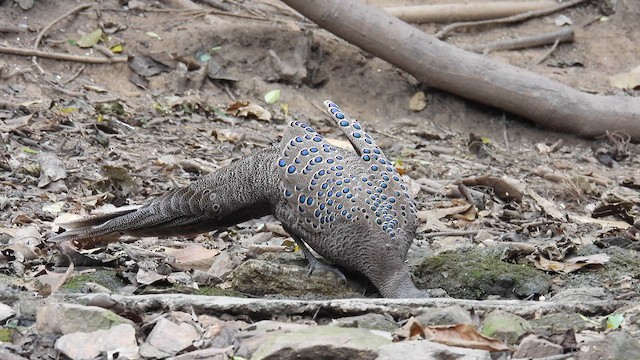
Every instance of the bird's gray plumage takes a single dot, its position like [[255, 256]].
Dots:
[[353, 209]]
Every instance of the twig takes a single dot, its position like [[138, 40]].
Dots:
[[511, 19], [34, 59], [74, 75], [460, 233], [59, 56], [465, 11], [564, 35], [546, 54]]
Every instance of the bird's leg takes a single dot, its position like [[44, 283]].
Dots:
[[314, 263]]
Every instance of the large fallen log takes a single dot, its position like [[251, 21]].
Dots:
[[544, 101]]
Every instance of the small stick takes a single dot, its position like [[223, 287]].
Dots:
[[34, 59], [564, 35], [465, 11], [511, 19], [545, 55], [59, 56], [459, 233]]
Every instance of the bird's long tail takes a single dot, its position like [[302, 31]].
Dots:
[[243, 190]]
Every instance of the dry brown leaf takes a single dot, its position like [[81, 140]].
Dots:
[[629, 80], [506, 188], [453, 210], [246, 109], [570, 265], [551, 208], [463, 335], [193, 257]]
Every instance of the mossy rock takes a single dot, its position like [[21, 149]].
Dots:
[[477, 274], [106, 278]]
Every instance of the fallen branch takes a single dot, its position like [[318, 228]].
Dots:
[[508, 20], [46, 28], [398, 308], [58, 56], [467, 11], [547, 102], [564, 35]]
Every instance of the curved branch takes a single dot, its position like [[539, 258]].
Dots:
[[546, 102]]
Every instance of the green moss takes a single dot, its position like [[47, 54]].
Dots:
[[476, 274], [105, 278]]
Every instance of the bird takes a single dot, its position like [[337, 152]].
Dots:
[[351, 207]]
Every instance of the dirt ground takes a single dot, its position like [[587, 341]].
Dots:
[[77, 137]]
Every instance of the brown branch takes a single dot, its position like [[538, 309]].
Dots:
[[58, 56], [511, 19], [564, 35], [465, 11], [476, 77]]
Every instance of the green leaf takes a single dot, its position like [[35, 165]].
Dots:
[[153, 35], [72, 42], [614, 321], [272, 97], [28, 150], [90, 39]]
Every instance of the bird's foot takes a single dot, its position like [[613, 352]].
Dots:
[[315, 264]]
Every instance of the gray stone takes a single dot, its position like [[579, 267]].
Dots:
[[503, 325], [450, 315], [424, 349], [171, 338], [582, 294], [258, 277], [384, 322], [534, 347], [615, 345], [6, 312], [79, 346], [324, 342], [62, 318], [256, 334]]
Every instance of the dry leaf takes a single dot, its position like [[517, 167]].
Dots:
[[506, 188], [462, 335], [629, 80], [193, 257], [246, 109], [570, 265], [418, 101]]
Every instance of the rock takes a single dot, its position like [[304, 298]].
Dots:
[[6, 312], [207, 354], [258, 277], [384, 322], [478, 274], [559, 322], [169, 338], [582, 294], [62, 318], [119, 339], [447, 316], [534, 347], [424, 349], [615, 345], [256, 334], [324, 342], [503, 325]]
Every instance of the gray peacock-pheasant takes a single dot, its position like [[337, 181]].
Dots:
[[351, 208]]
